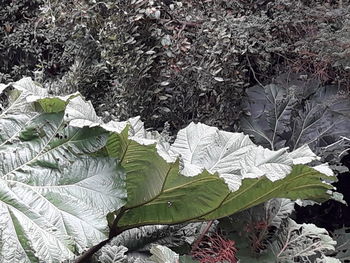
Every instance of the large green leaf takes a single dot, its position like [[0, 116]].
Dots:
[[210, 197], [54, 196], [223, 173], [60, 176]]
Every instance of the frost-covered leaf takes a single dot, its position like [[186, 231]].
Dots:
[[60, 177], [303, 155], [113, 254], [277, 210], [325, 259], [140, 238], [173, 236], [232, 155], [303, 242], [162, 254], [260, 161], [78, 118], [203, 147], [54, 196]]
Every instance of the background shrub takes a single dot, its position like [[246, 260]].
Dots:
[[173, 61]]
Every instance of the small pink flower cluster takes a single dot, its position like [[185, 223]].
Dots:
[[213, 249]]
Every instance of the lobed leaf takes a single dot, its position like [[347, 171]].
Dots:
[[63, 171], [216, 164], [288, 114], [54, 196]]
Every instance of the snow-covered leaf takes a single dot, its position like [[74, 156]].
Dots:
[[303, 242], [325, 259], [63, 171], [173, 236], [113, 254], [54, 196], [277, 210], [162, 254], [303, 155], [232, 155]]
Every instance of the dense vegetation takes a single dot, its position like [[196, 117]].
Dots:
[[276, 70]]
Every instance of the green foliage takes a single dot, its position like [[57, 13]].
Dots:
[[176, 61], [17, 51], [64, 171], [267, 234], [29, 46], [179, 61]]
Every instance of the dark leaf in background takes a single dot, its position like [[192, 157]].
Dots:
[[284, 116]]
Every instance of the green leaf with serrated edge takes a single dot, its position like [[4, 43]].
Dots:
[[302, 183], [54, 196], [52, 105], [162, 192], [225, 172], [210, 198], [140, 162], [157, 191]]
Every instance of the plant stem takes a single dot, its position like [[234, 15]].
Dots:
[[114, 231], [205, 231], [84, 258]]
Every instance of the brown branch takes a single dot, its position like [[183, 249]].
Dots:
[[115, 231], [85, 257]]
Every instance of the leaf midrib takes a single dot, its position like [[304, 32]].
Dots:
[[41, 152]]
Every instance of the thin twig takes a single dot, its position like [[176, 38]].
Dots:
[[115, 231], [252, 70], [89, 253]]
